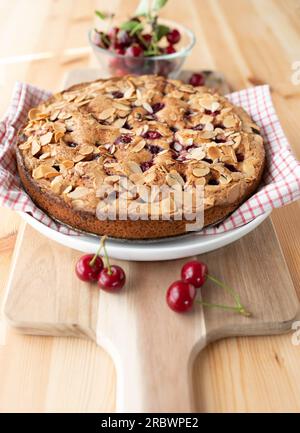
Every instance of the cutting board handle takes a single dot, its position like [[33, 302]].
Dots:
[[153, 349], [158, 380]]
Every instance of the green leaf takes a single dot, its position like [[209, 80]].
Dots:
[[158, 4], [101, 15], [132, 26], [161, 31], [143, 8]]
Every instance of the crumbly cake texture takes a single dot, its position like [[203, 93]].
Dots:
[[148, 130]]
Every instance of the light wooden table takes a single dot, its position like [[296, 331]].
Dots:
[[250, 41]]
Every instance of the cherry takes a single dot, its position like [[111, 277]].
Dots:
[[170, 49], [134, 50], [152, 135], [124, 138], [147, 38], [157, 107], [120, 51], [89, 267], [112, 278], [194, 272], [180, 296], [154, 149], [197, 80], [173, 36], [117, 94], [198, 127], [146, 165]]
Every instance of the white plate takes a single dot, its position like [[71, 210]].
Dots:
[[176, 248]]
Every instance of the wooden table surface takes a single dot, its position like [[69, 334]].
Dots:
[[251, 41]]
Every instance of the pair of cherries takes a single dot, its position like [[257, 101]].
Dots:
[[181, 294], [90, 268]]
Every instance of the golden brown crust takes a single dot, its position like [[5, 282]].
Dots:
[[63, 183]]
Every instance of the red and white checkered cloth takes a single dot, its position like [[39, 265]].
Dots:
[[281, 182]]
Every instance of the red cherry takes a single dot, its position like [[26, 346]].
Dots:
[[146, 165], [174, 36], [197, 80], [170, 49], [194, 272], [112, 279], [87, 272], [120, 51], [147, 38], [134, 50], [152, 135], [180, 296]]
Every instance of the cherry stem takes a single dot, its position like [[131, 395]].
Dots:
[[238, 309], [227, 288], [92, 262], [105, 254]]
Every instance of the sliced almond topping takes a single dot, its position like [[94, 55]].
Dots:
[[86, 150], [134, 167], [33, 114], [229, 121], [119, 123], [112, 179], [200, 172], [59, 126], [44, 171], [25, 145], [56, 184], [196, 153], [213, 152], [174, 179], [147, 107], [45, 156], [79, 158], [106, 113], [215, 106], [69, 96], [54, 115], [128, 93], [137, 178], [79, 192], [209, 127], [68, 189], [35, 147], [58, 135], [78, 204], [46, 138], [68, 164], [201, 181], [121, 107], [138, 147], [64, 116], [187, 89], [225, 179]]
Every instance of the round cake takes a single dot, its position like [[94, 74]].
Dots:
[[81, 146]]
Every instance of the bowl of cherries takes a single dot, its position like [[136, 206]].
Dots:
[[143, 44]]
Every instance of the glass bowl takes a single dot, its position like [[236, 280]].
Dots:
[[168, 65]]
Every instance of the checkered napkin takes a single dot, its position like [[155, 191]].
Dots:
[[280, 186]]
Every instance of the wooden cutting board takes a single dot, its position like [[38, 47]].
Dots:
[[153, 348]]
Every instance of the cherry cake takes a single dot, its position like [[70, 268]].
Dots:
[[138, 132]]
